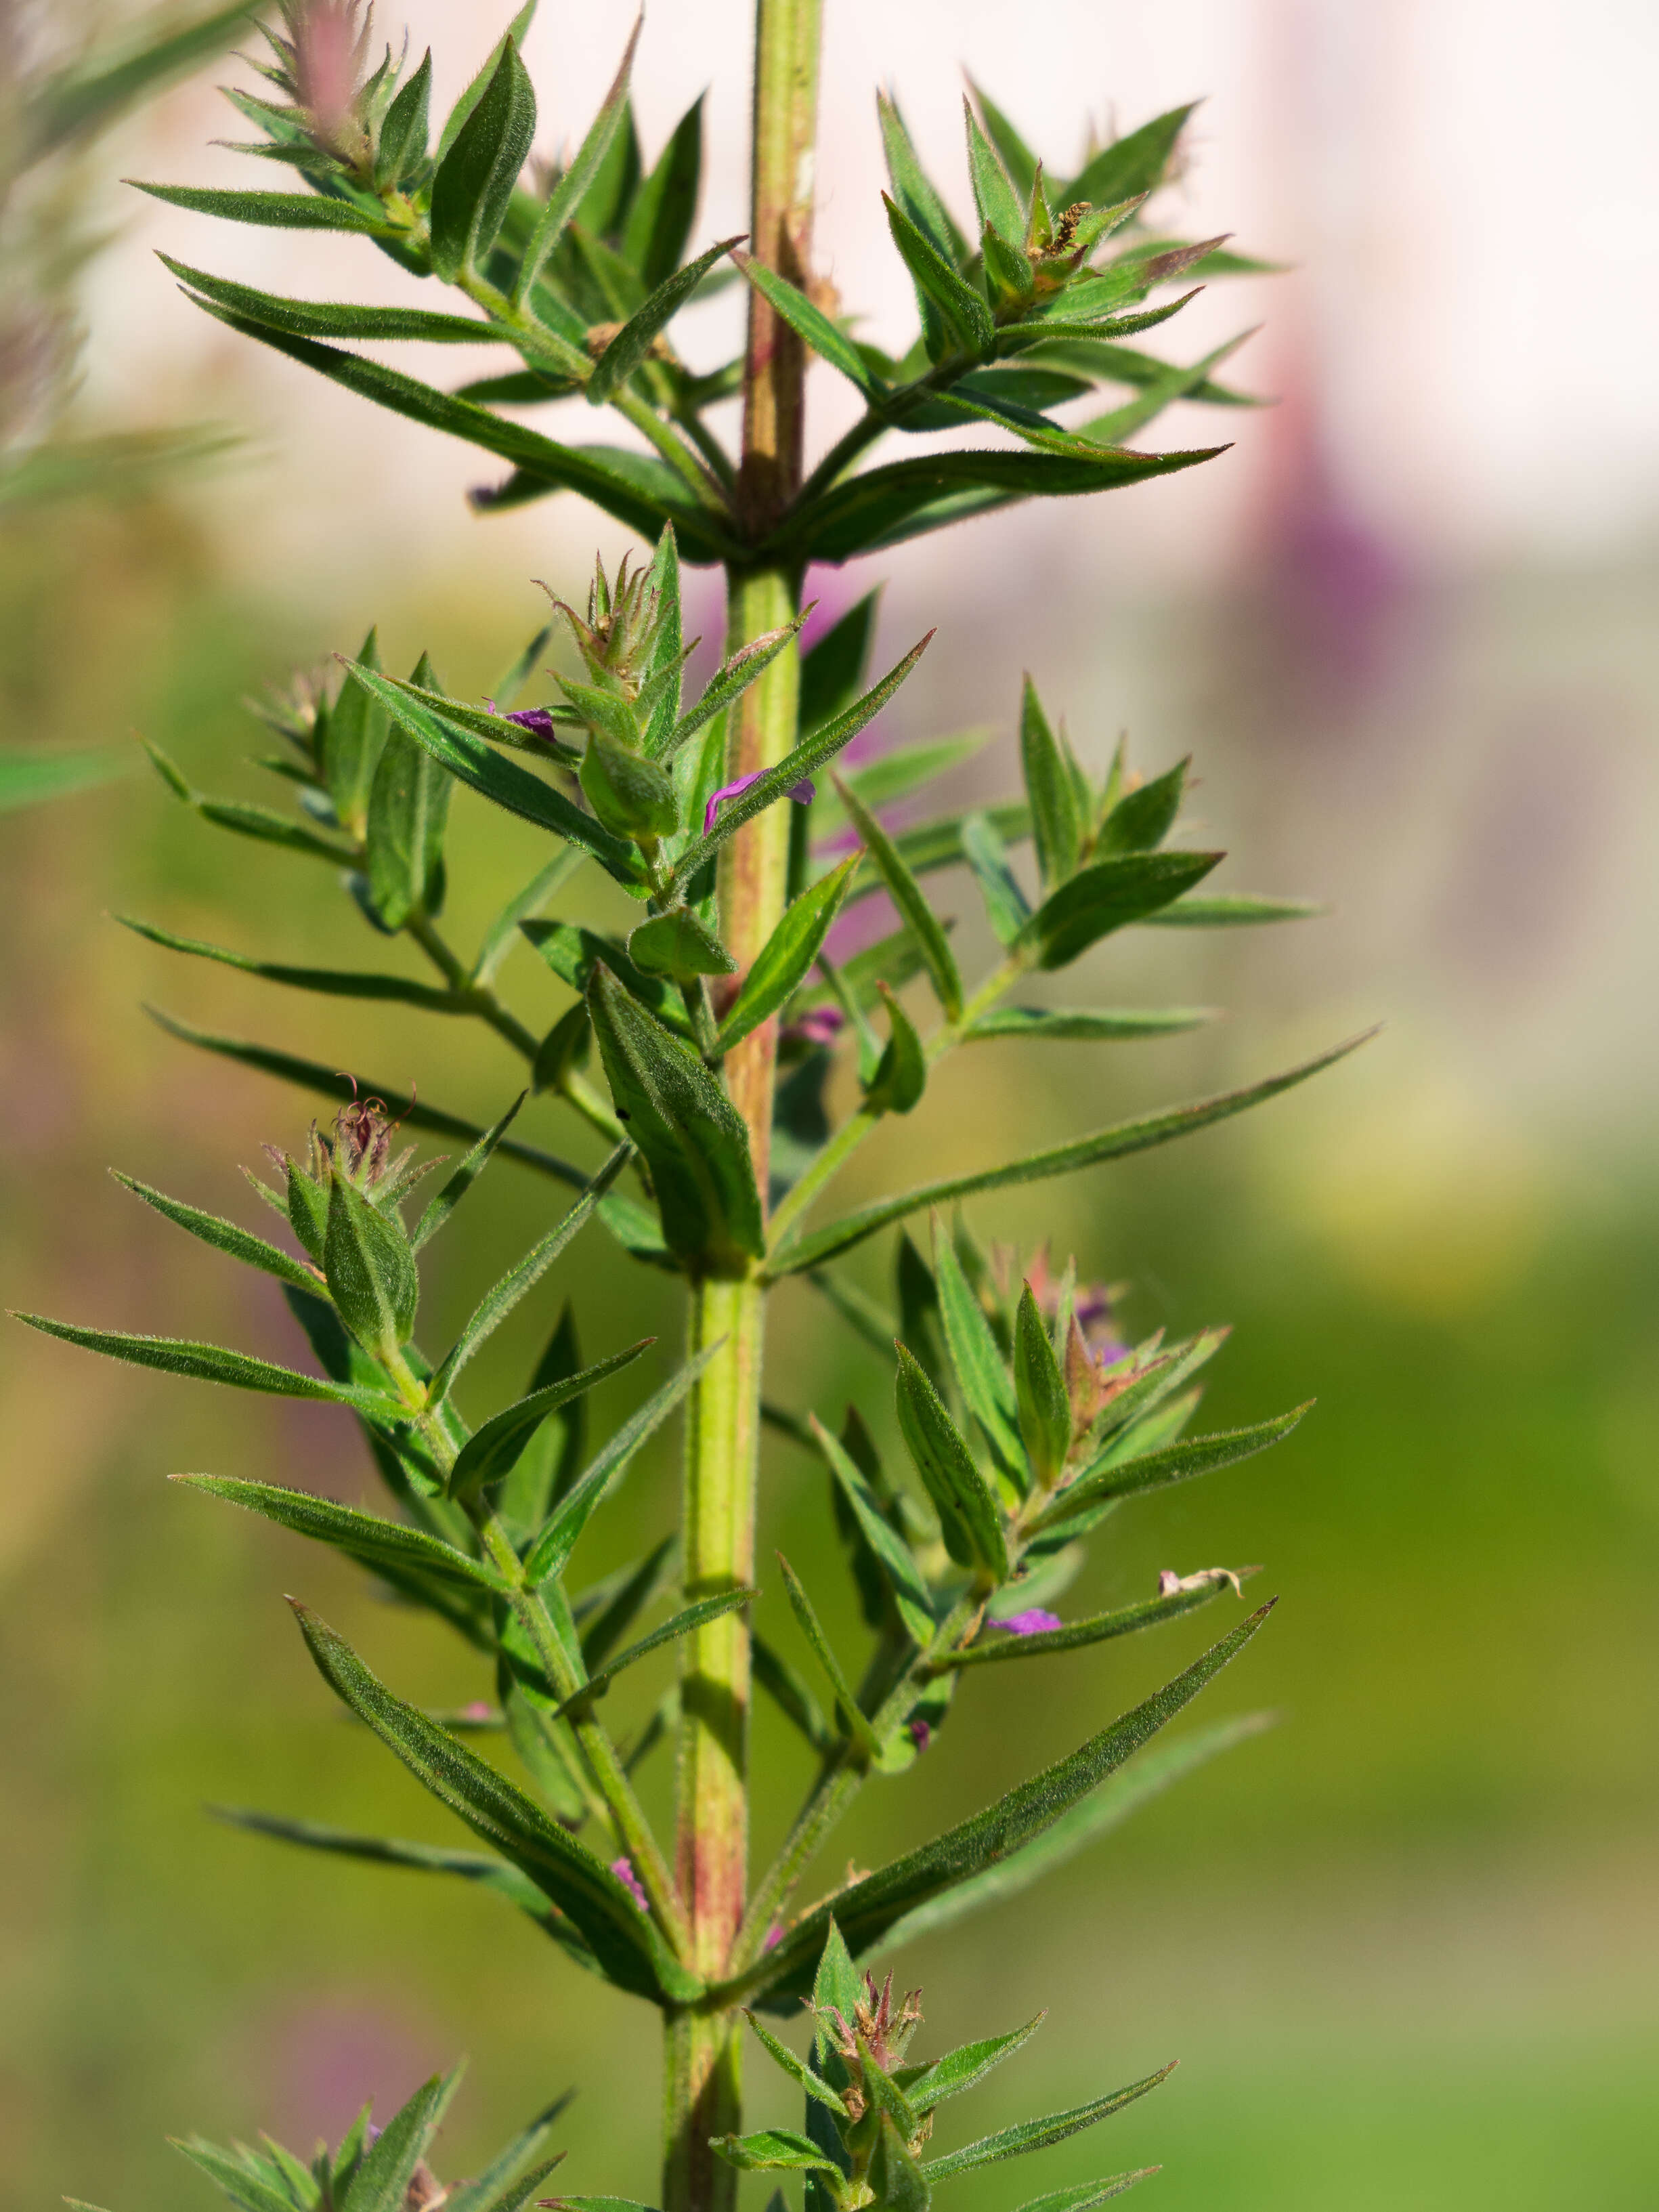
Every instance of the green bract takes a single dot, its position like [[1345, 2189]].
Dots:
[[714, 1059]]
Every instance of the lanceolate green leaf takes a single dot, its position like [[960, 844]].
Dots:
[[797, 2068], [901, 1073], [553, 1547], [1133, 164], [370, 1269], [679, 944], [1056, 814], [498, 1302], [481, 1868], [1109, 895], [691, 1135], [787, 955], [807, 757], [1045, 1420], [249, 2190], [408, 810], [639, 490], [1006, 905], [336, 983], [1037, 2135], [853, 1716], [1076, 1635], [1018, 158], [731, 680], [1232, 910], [624, 1940], [814, 1249], [273, 210], [381, 2183], [903, 1577], [967, 2068], [461, 1178], [472, 760], [1088, 1025], [213, 1363], [476, 88], [573, 182], [887, 505], [29, 773], [401, 152], [866, 1911], [1123, 1793], [628, 349], [962, 309], [488, 1455], [364, 1536], [333, 319], [994, 193], [834, 666], [912, 187], [980, 1372], [963, 1498], [665, 207], [1179, 1463], [826, 339], [224, 1236], [683, 1623], [908, 897], [483, 2194], [771, 2150], [473, 185], [1083, 2196], [895, 2174]]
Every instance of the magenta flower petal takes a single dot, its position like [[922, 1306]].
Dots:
[[805, 792], [624, 1871], [819, 1025], [1032, 1623], [538, 720], [921, 1735]]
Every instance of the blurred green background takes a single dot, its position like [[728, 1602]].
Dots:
[[1406, 1943]]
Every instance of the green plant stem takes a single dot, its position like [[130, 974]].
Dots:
[[605, 1764], [840, 1779], [480, 998], [627, 1818], [702, 2089]]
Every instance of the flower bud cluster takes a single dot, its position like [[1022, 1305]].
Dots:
[[321, 60]]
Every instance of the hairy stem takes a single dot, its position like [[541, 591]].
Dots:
[[702, 2085]]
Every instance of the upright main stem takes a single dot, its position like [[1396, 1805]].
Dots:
[[701, 2087]]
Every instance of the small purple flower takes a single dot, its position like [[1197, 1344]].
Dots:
[[805, 792], [1096, 1319], [818, 1025], [624, 1871], [538, 720], [1034, 1622], [774, 1936], [921, 1735]]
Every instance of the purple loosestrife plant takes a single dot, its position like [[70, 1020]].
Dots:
[[692, 1066]]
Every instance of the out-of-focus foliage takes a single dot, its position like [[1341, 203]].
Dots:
[[54, 98], [1383, 1942]]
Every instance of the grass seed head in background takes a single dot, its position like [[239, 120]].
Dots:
[[686, 1086]]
